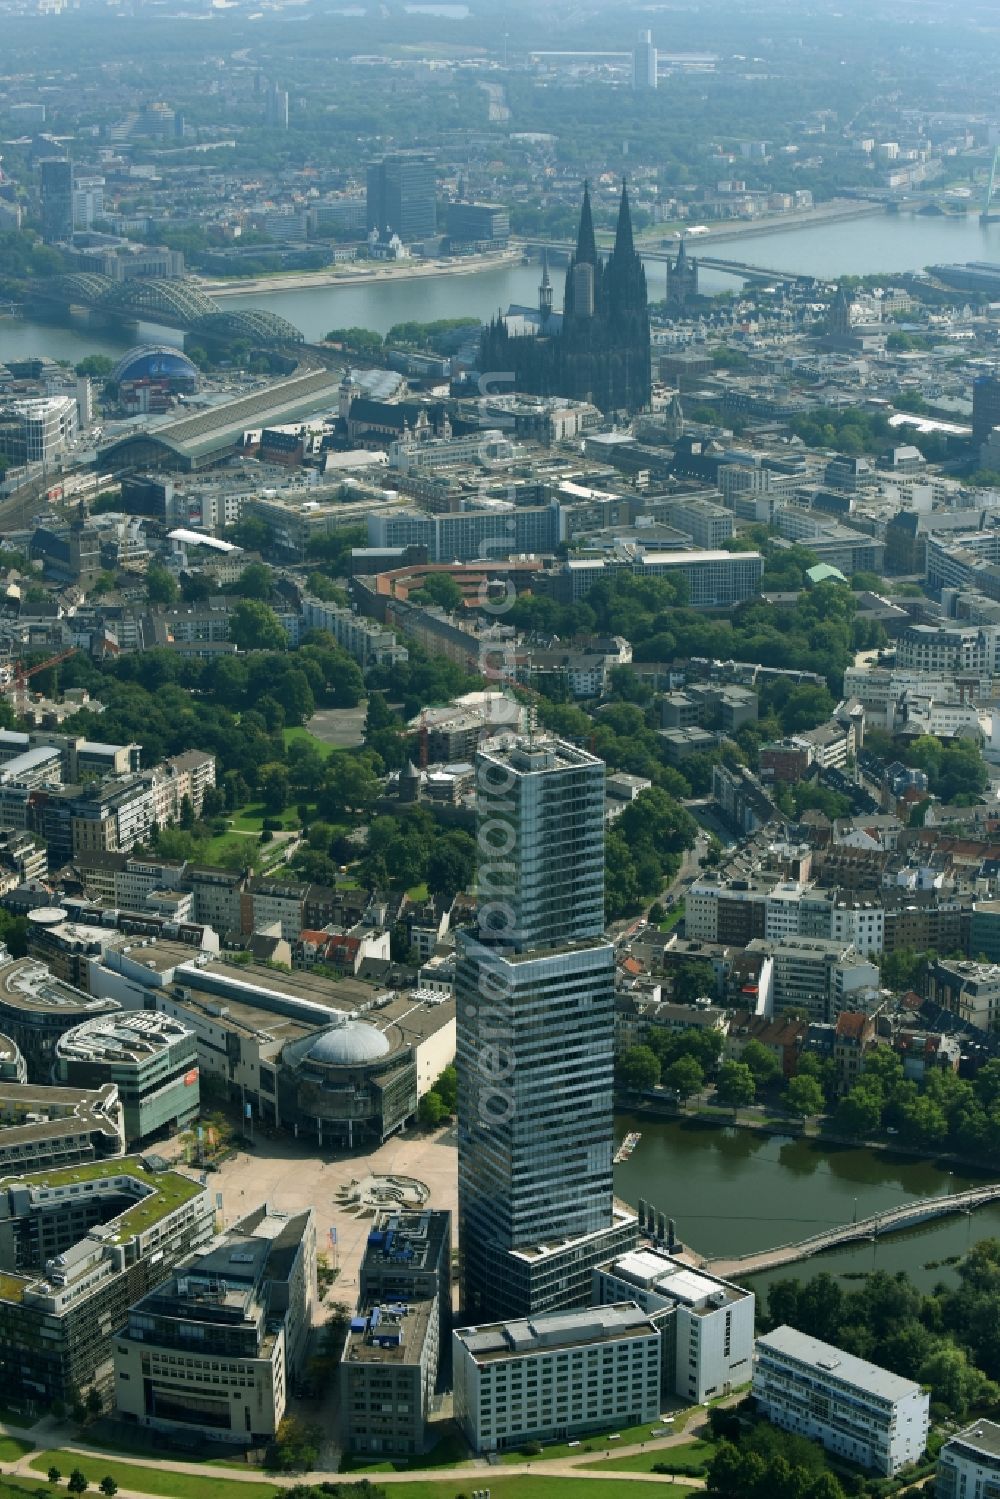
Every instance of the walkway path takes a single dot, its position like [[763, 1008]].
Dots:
[[52, 1433]]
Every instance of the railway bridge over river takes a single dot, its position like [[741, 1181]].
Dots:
[[891, 1221]]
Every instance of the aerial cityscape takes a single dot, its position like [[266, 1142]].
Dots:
[[499, 749]]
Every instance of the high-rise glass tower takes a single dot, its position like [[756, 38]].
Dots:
[[57, 199], [402, 195], [535, 992], [645, 62]]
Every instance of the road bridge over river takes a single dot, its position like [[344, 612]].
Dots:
[[891, 1221], [741, 268]]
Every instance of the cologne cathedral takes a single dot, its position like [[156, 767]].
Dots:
[[597, 348]]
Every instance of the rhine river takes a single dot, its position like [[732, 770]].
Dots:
[[732, 1192], [877, 243]]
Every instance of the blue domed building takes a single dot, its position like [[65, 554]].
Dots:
[[157, 364]]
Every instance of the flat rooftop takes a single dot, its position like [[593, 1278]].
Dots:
[[30, 1113], [406, 1240], [27, 984], [982, 1437], [552, 1331], [254, 996], [651, 1270], [389, 1332], [833, 1363], [135, 1036]]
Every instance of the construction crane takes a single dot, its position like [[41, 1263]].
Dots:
[[986, 217], [18, 685]]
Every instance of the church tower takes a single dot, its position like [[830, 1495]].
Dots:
[[545, 290], [600, 351]]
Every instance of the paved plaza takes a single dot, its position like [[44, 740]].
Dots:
[[287, 1176]]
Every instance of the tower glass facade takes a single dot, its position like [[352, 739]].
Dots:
[[644, 62], [535, 992], [402, 195], [57, 199]]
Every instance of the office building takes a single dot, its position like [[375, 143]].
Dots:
[[43, 1128], [561, 1374], [38, 429], [969, 990], [387, 1377], [408, 1257], [857, 1410], [57, 199], [644, 62], [36, 1009], [469, 535], [88, 201], [217, 1347], [949, 650], [77, 1249], [486, 224], [969, 1464], [153, 1060], [534, 989], [985, 407], [276, 107], [402, 195], [819, 976], [706, 1323]]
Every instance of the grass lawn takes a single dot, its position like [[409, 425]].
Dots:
[[417, 892], [11, 1448], [530, 1486], [688, 1454], [672, 918], [302, 735], [599, 1443], [231, 850], [156, 1481], [169, 1485], [251, 819]]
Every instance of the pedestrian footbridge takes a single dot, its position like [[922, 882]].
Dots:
[[891, 1221]]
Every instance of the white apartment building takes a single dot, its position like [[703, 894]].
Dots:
[[556, 1376], [705, 896], [892, 697], [782, 910], [798, 909], [969, 1464], [861, 926], [820, 976], [947, 650], [707, 1324], [368, 642], [857, 1410], [34, 431]]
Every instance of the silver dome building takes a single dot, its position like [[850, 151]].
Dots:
[[352, 1083]]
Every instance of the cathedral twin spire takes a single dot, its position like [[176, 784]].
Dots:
[[624, 242], [586, 242], [600, 350]]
